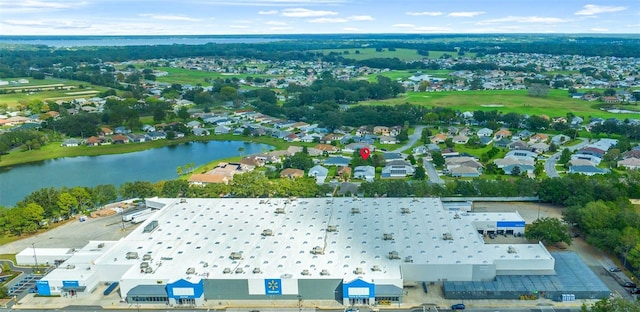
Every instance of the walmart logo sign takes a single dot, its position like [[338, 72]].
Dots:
[[273, 286]]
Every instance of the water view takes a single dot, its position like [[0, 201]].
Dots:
[[149, 165]]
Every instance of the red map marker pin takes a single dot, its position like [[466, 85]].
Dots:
[[365, 152]]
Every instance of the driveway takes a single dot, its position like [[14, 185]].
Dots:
[[550, 164], [431, 172]]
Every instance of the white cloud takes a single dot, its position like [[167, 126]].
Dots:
[[599, 29], [272, 3], [48, 24], [465, 14], [299, 12], [525, 19], [327, 20], [424, 13], [169, 17], [239, 26], [403, 25], [9, 6], [269, 12], [351, 29], [592, 9], [280, 28], [276, 23], [432, 29], [361, 18]]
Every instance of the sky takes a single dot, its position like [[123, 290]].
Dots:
[[231, 17]]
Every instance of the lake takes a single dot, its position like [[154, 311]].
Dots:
[[150, 165]]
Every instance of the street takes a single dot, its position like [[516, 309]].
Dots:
[[550, 164]]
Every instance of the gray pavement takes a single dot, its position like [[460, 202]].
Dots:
[[413, 138], [432, 173], [550, 164]]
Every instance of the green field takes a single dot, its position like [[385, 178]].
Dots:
[[404, 74], [557, 103], [401, 54], [52, 89], [195, 77]]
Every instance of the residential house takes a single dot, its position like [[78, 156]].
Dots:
[[344, 171], [156, 135], [587, 170], [449, 152], [362, 130], [419, 150], [502, 143], [560, 139], [291, 173], [292, 137], [327, 148], [308, 138], [354, 147], [502, 133], [594, 159], [538, 138], [71, 142], [460, 139], [339, 161], [464, 172], [485, 132], [518, 145], [148, 128], [201, 179], [521, 169], [462, 161], [253, 161], [395, 130], [385, 139], [137, 138], [522, 135], [327, 139], [512, 161], [194, 124], [485, 140], [391, 156], [466, 132], [397, 169], [593, 151], [93, 141], [221, 130], [105, 131], [319, 173], [367, 173], [634, 153], [381, 130], [433, 147], [121, 130], [630, 163], [540, 147], [522, 154], [119, 139], [439, 138], [581, 162]]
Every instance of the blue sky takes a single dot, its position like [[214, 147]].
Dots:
[[217, 17]]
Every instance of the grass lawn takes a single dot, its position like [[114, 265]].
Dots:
[[557, 103], [195, 77], [12, 100]]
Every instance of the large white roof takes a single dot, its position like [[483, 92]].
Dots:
[[202, 234]]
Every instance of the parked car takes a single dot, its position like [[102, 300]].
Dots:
[[635, 291], [458, 306], [629, 285], [424, 286], [614, 269]]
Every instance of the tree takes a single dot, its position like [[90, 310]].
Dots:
[[420, 173], [250, 184], [174, 188], [403, 135], [183, 113], [538, 90], [549, 231], [438, 159], [300, 161], [137, 189], [67, 203], [104, 194], [565, 157], [449, 143], [159, 114], [613, 305]]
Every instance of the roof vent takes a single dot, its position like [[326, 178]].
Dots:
[[267, 232], [387, 236], [317, 250], [394, 255], [144, 265], [191, 271], [236, 255], [239, 271], [226, 271], [405, 210], [305, 272], [376, 268], [146, 257], [358, 271], [456, 216], [332, 228], [279, 210], [148, 270], [355, 210], [256, 271], [101, 245], [71, 266], [447, 236], [408, 259], [511, 250], [324, 272]]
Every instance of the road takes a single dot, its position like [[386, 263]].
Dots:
[[432, 173], [417, 134], [513, 309], [550, 164]]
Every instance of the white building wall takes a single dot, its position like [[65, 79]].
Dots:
[[527, 266], [437, 272]]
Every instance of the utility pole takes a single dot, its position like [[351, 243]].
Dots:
[[33, 245]]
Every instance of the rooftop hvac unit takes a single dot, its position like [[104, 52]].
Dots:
[[447, 236], [279, 210], [394, 255], [376, 268], [256, 271], [144, 265], [148, 270], [191, 271], [358, 271], [456, 216], [324, 272], [146, 257], [101, 245], [305, 272], [511, 249], [226, 271], [317, 250], [355, 210], [239, 271], [387, 236], [71, 266], [183, 200], [405, 210], [332, 228], [408, 259], [132, 255], [267, 232], [236, 255]]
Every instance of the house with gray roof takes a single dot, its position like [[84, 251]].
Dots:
[[367, 173], [319, 173], [587, 170], [338, 161], [397, 169]]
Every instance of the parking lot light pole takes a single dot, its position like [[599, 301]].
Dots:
[[33, 245]]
